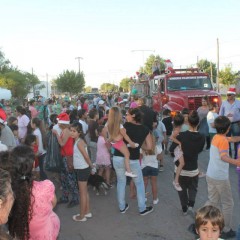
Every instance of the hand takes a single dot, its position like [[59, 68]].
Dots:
[[238, 162]]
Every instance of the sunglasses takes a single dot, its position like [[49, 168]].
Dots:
[[230, 95]]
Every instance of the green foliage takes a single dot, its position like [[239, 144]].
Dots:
[[70, 81], [108, 87], [205, 65], [125, 84], [88, 89], [15, 81], [149, 63], [227, 76], [4, 63]]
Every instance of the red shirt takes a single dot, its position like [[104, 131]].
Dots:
[[67, 149]]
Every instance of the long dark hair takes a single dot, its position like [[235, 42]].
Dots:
[[21, 163], [78, 127]]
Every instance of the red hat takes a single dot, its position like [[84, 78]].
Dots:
[[231, 91], [3, 116], [63, 118]]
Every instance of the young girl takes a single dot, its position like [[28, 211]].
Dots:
[[103, 156], [209, 223], [116, 133], [38, 131], [150, 169], [178, 154], [82, 166], [31, 141]]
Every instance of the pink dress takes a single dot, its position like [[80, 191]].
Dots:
[[45, 224], [103, 155]]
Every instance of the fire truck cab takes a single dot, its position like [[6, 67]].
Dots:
[[177, 89]]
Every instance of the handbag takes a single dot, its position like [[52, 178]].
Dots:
[[70, 163]]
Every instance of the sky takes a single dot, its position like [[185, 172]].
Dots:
[[114, 38]]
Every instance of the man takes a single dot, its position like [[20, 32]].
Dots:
[[231, 109], [149, 116]]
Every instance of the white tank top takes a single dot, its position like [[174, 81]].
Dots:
[[78, 160]]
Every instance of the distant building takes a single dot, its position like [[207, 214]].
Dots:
[[42, 89]]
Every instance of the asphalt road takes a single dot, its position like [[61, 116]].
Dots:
[[166, 222]]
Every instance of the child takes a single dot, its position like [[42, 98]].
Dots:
[[103, 156], [31, 141], [178, 154], [167, 121], [116, 134], [82, 167], [38, 131], [209, 223], [14, 129], [219, 188], [159, 133], [150, 170], [192, 143]]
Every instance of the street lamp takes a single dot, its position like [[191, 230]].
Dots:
[[79, 59]]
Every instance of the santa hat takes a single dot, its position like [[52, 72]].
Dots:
[[231, 91], [63, 118], [3, 116]]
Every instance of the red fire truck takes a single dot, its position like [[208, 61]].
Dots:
[[177, 89]]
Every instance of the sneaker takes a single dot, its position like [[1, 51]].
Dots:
[[79, 220], [185, 213], [146, 211], [155, 201], [125, 209], [136, 145], [229, 234], [177, 186], [201, 175], [88, 215], [130, 174], [191, 212], [161, 168]]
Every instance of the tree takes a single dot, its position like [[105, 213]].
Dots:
[[70, 81], [125, 84], [227, 76], [4, 63], [108, 87], [206, 66], [149, 63], [88, 89]]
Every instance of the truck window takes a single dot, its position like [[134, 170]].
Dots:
[[189, 83]]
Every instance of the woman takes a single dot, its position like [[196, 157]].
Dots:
[[6, 196], [141, 135], [203, 125], [68, 177], [23, 121], [32, 215]]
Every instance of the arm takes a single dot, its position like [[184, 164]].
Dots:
[[126, 137], [234, 139], [230, 160], [174, 135], [147, 145], [82, 149], [62, 141], [54, 201]]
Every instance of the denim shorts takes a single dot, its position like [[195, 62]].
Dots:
[[150, 171], [83, 174]]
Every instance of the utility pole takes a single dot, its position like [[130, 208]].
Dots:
[[217, 80], [143, 51], [79, 59], [47, 84]]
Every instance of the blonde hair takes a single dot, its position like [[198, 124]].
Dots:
[[114, 121]]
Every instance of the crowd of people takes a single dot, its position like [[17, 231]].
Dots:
[[106, 136]]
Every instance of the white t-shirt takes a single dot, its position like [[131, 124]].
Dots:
[[37, 133], [149, 161], [210, 119], [84, 126]]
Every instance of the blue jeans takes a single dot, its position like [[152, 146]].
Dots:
[[119, 165]]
